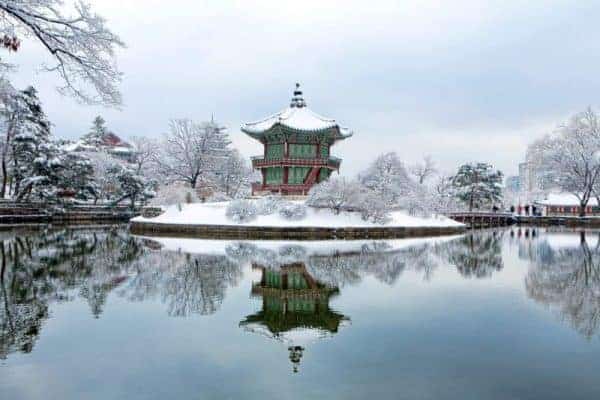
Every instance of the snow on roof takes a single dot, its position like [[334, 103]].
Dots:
[[121, 149], [564, 199], [77, 146], [296, 116], [300, 118], [71, 146]]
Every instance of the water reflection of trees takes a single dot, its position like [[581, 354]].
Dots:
[[187, 284], [65, 264], [61, 265], [567, 279], [476, 254], [342, 267]]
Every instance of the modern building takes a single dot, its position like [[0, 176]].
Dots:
[[513, 183], [527, 177], [297, 148]]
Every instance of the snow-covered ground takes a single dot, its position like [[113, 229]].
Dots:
[[214, 214], [564, 199]]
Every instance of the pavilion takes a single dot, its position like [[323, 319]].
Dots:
[[296, 148]]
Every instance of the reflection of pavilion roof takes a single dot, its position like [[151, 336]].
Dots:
[[292, 302], [277, 323]]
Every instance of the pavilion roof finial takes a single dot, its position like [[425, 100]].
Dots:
[[297, 99]]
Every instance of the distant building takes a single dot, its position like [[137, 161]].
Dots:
[[564, 205], [534, 181], [111, 143], [297, 148], [513, 183], [527, 177]]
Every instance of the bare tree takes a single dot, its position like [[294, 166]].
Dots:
[[335, 193], [233, 177], [424, 170], [146, 151], [8, 119], [82, 47], [192, 152], [572, 155]]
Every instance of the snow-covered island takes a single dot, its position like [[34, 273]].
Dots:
[[215, 214], [259, 215]]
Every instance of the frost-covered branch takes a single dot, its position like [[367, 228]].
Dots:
[[424, 170], [81, 45]]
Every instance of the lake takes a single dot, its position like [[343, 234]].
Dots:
[[494, 314]]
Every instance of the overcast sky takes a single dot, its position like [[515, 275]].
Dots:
[[459, 80]]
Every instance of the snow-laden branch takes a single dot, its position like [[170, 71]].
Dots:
[[81, 45]]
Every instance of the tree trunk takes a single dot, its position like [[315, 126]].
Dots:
[[471, 202], [582, 207], [4, 177], [3, 261]]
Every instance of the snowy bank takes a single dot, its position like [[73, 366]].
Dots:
[[209, 220], [214, 214]]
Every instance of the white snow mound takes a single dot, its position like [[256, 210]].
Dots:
[[214, 214]]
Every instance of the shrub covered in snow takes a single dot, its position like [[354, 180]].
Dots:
[[292, 211], [387, 177], [218, 197], [174, 194], [336, 194], [373, 208], [268, 205], [342, 195], [241, 211]]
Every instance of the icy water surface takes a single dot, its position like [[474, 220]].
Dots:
[[100, 314]]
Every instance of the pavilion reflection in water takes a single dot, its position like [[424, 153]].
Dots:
[[295, 308]]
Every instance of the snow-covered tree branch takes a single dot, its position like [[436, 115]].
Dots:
[[193, 152], [478, 185], [572, 156], [79, 42], [424, 170]]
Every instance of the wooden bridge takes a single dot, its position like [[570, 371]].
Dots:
[[478, 219]]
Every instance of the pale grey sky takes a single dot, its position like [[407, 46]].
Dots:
[[460, 80]]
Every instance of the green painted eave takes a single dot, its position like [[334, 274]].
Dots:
[[279, 132]]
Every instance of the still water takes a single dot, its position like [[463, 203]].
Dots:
[[101, 314]]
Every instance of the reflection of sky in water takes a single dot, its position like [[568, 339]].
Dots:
[[487, 315]]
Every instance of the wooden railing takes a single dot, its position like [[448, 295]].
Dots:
[[330, 162], [259, 187], [482, 218]]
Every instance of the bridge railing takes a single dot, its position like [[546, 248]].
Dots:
[[479, 214]]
